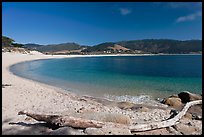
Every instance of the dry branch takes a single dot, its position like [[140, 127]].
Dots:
[[166, 123], [58, 120], [61, 121]]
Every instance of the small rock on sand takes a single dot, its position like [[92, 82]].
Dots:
[[187, 96], [175, 102]]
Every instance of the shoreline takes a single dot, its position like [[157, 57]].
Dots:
[[48, 57], [107, 97], [36, 97]]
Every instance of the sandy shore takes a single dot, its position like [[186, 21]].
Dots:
[[35, 97]]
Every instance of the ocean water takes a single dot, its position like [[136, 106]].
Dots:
[[118, 77]]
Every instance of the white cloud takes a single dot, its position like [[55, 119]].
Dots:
[[125, 11], [189, 17]]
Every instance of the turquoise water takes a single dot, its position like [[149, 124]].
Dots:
[[118, 76]]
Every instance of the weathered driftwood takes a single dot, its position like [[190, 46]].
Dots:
[[62, 121], [58, 120], [4, 85], [166, 123]]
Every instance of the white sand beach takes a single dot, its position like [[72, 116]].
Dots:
[[35, 97]]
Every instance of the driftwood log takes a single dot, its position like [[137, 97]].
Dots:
[[4, 85], [166, 123], [60, 121]]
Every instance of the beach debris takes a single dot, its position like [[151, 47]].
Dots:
[[4, 85], [160, 100], [197, 117], [81, 110], [173, 113], [61, 121], [166, 123], [28, 119]]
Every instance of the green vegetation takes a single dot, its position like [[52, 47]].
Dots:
[[54, 47], [32, 46], [6, 41], [154, 46], [59, 47], [17, 45], [100, 47]]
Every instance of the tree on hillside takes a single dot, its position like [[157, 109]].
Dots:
[[17, 45], [6, 41]]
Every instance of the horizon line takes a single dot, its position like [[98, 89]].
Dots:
[[105, 42]]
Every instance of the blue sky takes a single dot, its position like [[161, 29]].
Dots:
[[90, 23]]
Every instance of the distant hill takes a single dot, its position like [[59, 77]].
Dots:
[[118, 47], [32, 46], [99, 47], [151, 46], [154, 46], [58, 48], [164, 45]]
